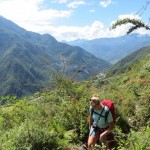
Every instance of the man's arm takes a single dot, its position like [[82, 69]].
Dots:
[[105, 133]]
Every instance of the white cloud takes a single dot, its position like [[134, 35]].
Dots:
[[27, 12], [142, 31], [95, 30], [105, 3], [60, 1], [73, 32], [68, 33], [92, 10], [75, 4], [131, 16]]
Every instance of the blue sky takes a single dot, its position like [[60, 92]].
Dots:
[[75, 19]]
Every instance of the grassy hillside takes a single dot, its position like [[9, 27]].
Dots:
[[124, 65], [57, 118], [131, 91]]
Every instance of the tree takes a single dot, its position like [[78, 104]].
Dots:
[[135, 22]]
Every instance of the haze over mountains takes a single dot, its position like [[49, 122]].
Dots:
[[27, 60], [113, 49]]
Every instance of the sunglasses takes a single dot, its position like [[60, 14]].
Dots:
[[95, 101]]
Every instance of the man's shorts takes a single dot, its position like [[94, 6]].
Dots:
[[96, 131]]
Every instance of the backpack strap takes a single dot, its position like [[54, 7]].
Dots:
[[100, 115], [92, 111], [106, 115]]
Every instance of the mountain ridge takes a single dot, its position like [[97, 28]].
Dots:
[[113, 49], [28, 58], [125, 64]]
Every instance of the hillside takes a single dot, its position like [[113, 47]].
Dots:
[[57, 118], [113, 49], [28, 59], [130, 88], [124, 64]]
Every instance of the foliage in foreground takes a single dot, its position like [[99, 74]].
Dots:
[[51, 120], [56, 119]]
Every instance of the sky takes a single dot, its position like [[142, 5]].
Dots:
[[75, 19]]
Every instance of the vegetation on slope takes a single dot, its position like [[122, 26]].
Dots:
[[56, 119], [124, 65], [49, 120]]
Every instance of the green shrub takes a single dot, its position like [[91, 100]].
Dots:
[[139, 140]]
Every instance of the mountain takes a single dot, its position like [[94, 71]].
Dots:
[[124, 65], [113, 49], [63, 109], [28, 59]]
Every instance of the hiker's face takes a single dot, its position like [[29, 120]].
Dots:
[[95, 104], [96, 107]]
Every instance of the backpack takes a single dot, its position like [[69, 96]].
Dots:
[[110, 105]]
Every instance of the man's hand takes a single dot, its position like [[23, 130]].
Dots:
[[103, 135]]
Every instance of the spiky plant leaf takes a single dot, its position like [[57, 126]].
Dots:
[[135, 22]]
